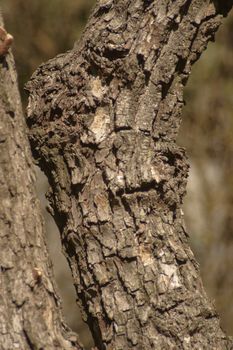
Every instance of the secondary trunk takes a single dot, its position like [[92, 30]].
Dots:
[[30, 315], [104, 119]]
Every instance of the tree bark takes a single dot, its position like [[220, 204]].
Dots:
[[103, 121], [30, 316]]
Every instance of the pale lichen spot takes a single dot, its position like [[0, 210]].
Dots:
[[155, 174], [109, 173], [100, 126], [120, 179], [187, 340], [146, 256], [97, 89], [105, 2], [103, 209], [108, 301], [161, 253], [121, 301], [161, 15], [169, 278], [142, 213]]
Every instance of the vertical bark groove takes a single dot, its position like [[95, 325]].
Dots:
[[103, 121]]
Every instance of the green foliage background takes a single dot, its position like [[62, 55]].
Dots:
[[44, 28]]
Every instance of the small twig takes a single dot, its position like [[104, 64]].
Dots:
[[6, 41]]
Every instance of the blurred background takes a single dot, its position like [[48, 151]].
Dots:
[[42, 29]]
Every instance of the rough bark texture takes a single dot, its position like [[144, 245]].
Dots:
[[104, 119], [30, 315]]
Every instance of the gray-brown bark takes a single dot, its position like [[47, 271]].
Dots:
[[30, 315], [104, 119]]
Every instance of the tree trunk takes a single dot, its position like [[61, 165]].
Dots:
[[103, 121], [29, 307]]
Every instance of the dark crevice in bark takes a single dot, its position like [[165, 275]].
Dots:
[[103, 9], [147, 3], [114, 54], [222, 7], [55, 113], [144, 187], [181, 64], [185, 7], [128, 209], [31, 346], [166, 88], [141, 63]]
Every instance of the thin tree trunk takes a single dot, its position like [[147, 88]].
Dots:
[[30, 316], [104, 119]]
